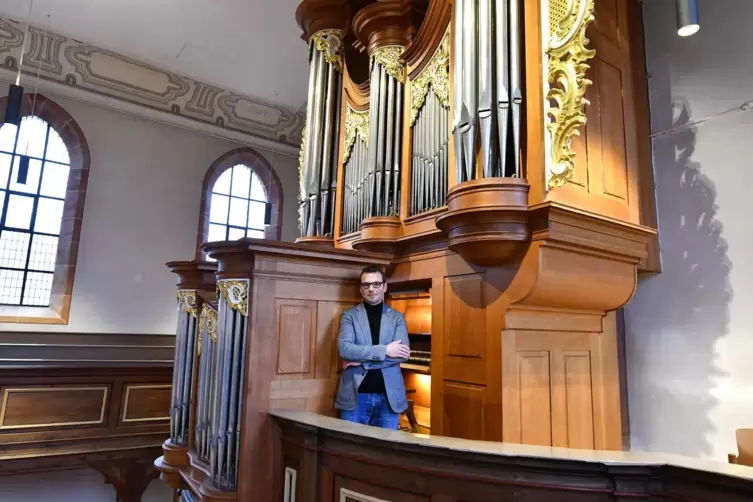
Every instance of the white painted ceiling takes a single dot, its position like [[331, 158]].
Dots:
[[252, 47]]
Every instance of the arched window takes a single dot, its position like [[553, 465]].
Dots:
[[44, 166], [241, 197]]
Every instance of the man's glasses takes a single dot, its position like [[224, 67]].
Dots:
[[375, 285]]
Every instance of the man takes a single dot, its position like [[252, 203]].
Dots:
[[372, 343]]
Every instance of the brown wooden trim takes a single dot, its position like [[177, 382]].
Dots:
[[647, 192], [70, 229], [37, 349], [267, 175]]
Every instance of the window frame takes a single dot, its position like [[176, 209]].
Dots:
[[264, 172], [58, 312]]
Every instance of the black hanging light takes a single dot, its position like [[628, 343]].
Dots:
[[13, 106], [12, 116], [687, 17]]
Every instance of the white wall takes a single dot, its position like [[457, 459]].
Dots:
[[83, 485], [142, 210], [690, 329]]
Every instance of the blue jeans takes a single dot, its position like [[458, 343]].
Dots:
[[372, 409]]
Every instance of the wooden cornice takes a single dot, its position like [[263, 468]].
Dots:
[[317, 15], [194, 274], [419, 52], [236, 258], [390, 22]]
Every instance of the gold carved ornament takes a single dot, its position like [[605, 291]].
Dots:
[[208, 322], [390, 57], [235, 294], [356, 124], [187, 300], [567, 56], [436, 75], [330, 42], [301, 161]]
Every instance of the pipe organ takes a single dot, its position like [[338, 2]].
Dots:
[[321, 135], [455, 144]]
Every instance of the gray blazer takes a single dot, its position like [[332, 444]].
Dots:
[[354, 344]]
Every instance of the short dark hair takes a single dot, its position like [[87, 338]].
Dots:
[[373, 269]]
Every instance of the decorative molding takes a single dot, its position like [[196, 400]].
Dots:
[[30, 349], [390, 57], [351, 496], [76, 64], [187, 301], [563, 25], [435, 76], [330, 42], [291, 485], [356, 124], [235, 294]]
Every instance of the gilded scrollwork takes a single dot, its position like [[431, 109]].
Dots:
[[390, 57], [356, 124], [301, 162], [567, 56], [435, 76], [208, 323], [235, 294], [187, 300], [330, 42]]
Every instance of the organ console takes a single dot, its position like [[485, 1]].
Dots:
[[494, 157]]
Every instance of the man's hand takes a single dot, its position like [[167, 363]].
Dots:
[[348, 364], [397, 350]]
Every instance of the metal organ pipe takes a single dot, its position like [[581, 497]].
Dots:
[[320, 156], [430, 134], [487, 43]]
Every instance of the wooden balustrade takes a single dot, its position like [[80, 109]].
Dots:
[[321, 459]]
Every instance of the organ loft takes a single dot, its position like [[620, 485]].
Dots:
[[494, 157]]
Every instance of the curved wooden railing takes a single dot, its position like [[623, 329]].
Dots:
[[319, 458]]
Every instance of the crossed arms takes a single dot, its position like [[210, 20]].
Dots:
[[372, 357]]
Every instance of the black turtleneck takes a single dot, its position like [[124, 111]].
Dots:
[[373, 383]]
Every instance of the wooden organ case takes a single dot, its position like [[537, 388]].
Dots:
[[498, 153], [494, 157]]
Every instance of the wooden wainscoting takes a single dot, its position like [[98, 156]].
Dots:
[[85, 400]]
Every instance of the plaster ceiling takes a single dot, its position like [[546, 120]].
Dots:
[[250, 46]]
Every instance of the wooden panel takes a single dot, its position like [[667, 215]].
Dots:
[[296, 320], [535, 397], [573, 389], [465, 330], [550, 399], [32, 407], [463, 411], [146, 403], [613, 162], [609, 172]]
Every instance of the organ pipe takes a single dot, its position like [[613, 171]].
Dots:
[[430, 139], [318, 169], [486, 51], [387, 80]]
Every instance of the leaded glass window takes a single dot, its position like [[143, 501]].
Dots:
[[34, 167], [237, 205]]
